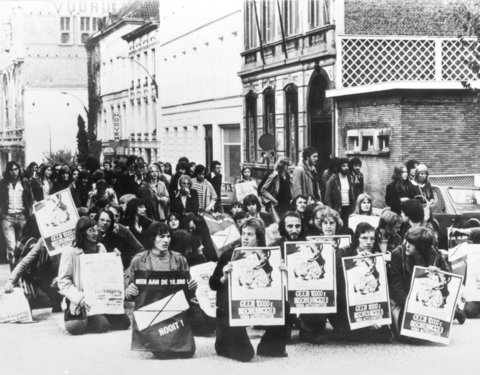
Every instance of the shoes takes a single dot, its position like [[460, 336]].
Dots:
[[460, 316], [312, 337], [261, 351]]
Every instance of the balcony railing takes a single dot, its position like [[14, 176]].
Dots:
[[371, 60]]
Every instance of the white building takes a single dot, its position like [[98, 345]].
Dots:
[[42, 55], [122, 88], [199, 88]]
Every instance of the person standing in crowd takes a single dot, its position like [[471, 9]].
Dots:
[[31, 171], [422, 185], [215, 178], [102, 193], [16, 204], [63, 180], [411, 168], [305, 177], [399, 190], [246, 176], [126, 182], [327, 173], [107, 165], [160, 257], [70, 284], [140, 171], [167, 168], [233, 342], [277, 189], [155, 194], [186, 199], [181, 169], [173, 221], [339, 192], [417, 250], [164, 177], [42, 185], [191, 169], [80, 189], [136, 219], [355, 165], [117, 237], [299, 205], [207, 197]]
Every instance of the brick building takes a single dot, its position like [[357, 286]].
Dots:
[[398, 92]]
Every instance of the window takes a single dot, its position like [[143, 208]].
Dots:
[[251, 31], [370, 141], [267, 12], [251, 126], [367, 143], [88, 26], [318, 13], [291, 122], [65, 30], [269, 111], [231, 152], [290, 17]]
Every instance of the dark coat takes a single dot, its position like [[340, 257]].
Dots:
[[122, 239], [190, 206], [393, 195], [27, 197], [333, 193]]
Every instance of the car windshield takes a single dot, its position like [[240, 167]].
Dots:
[[465, 199]]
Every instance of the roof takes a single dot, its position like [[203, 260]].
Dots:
[[145, 9]]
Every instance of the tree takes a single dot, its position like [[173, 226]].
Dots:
[[63, 156], [82, 140]]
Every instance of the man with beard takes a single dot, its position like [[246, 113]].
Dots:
[[290, 228], [339, 191]]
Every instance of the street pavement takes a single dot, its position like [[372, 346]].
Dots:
[[44, 347]]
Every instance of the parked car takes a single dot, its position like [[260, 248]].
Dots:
[[227, 196], [455, 206]]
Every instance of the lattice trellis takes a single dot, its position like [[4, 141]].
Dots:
[[367, 61], [455, 57], [453, 180]]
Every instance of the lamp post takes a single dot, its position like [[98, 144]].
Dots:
[[78, 99], [146, 71]]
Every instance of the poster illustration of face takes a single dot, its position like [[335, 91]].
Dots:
[[257, 270], [310, 264]]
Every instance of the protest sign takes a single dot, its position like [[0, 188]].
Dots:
[[102, 281], [207, 298], [311, 277], [56, 217], [354, 220], [430, 305], [245, 188], [160, 322], [472, 277], [256, 291], [14, 307], [223, 231], [366, 288], [338, 242]]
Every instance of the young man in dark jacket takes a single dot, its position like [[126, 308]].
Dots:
[[339, 191]]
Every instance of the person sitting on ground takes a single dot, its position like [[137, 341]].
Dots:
[[70, 285], [173, 221], [252, 206]]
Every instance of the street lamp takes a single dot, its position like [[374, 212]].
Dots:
[[77, 98], [146, 71]]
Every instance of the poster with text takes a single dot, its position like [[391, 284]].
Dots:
[[102, 281], [366, 288], [160, 322], [472, 278], [256, 287], [354, 220], [14, 307], [56, 217], [430, 305], [338, 242], [245, 188], [311, 277], [207, 298]]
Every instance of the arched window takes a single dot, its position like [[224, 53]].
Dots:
[[291, 122], [251, 126], [269, 111]]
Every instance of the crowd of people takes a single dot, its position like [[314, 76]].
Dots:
[[152, 217]]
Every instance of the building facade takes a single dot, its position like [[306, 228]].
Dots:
[[122, 86], [199, 88], [398, 92], [287, 67], [43, 74]]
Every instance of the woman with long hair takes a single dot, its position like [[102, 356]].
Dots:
[[388, 233], [423, 188], [136, 219], [363, 205], [233, 342], [70, 284], [155, 194], [399, 190], [186, 198], [42, 185], [160, 257], [417, 250], [63, 181], [277, 190]]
